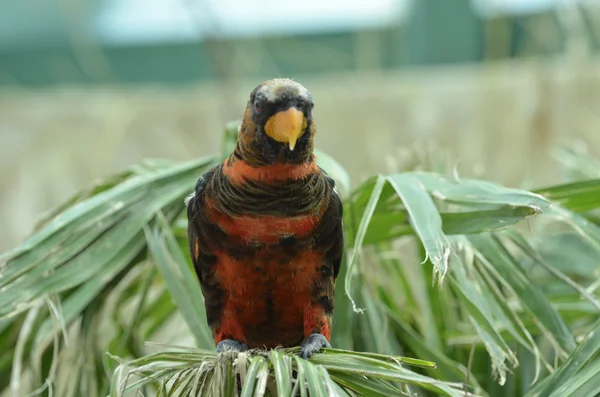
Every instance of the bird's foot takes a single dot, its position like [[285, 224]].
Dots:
[[312, 344], [231, 345]]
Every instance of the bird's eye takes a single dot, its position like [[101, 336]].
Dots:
[[257, 107]]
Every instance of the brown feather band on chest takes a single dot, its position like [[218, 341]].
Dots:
[[283, 198]]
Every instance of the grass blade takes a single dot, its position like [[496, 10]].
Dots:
[[180, 280]]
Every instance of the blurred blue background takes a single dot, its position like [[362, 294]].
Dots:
[[52, 42], [489, 87]]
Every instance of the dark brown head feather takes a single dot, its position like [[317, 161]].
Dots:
[[270, 97]]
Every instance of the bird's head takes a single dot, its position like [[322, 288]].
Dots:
[[278, 125]]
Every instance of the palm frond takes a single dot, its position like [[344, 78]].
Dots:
[[438, 268], [255, 373]]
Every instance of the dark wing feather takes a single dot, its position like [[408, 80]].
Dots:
[[195, 204], [335, 236], [200, 243], [329, 241]]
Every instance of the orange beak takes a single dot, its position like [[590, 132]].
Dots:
[[286, 126]]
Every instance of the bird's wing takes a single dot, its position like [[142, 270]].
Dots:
[[335, 238], [202, 257], [329, 242], [195, 205]]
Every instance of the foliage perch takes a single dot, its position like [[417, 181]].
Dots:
[[108, 270]]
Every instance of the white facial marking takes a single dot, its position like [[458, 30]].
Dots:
[[273, 88]]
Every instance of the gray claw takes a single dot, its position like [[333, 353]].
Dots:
[[312, 344], [230, 344]]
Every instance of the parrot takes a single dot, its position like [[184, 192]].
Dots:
[[265, 230]]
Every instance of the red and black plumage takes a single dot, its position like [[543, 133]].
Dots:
[[265, 230]]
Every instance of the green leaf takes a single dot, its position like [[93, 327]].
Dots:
[[360, 235], [324, 375], [500, 207], [334, 169], [578, 359], [580, 196], [282, 369], [475, 302], [585, 383], [479, 192], [382, 371], [250, 378], [57, 257], [493, 254], [180, 280], [474, 222], [425, 220], [316, 386]]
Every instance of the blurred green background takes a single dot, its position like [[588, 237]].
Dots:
[[490, 87]]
